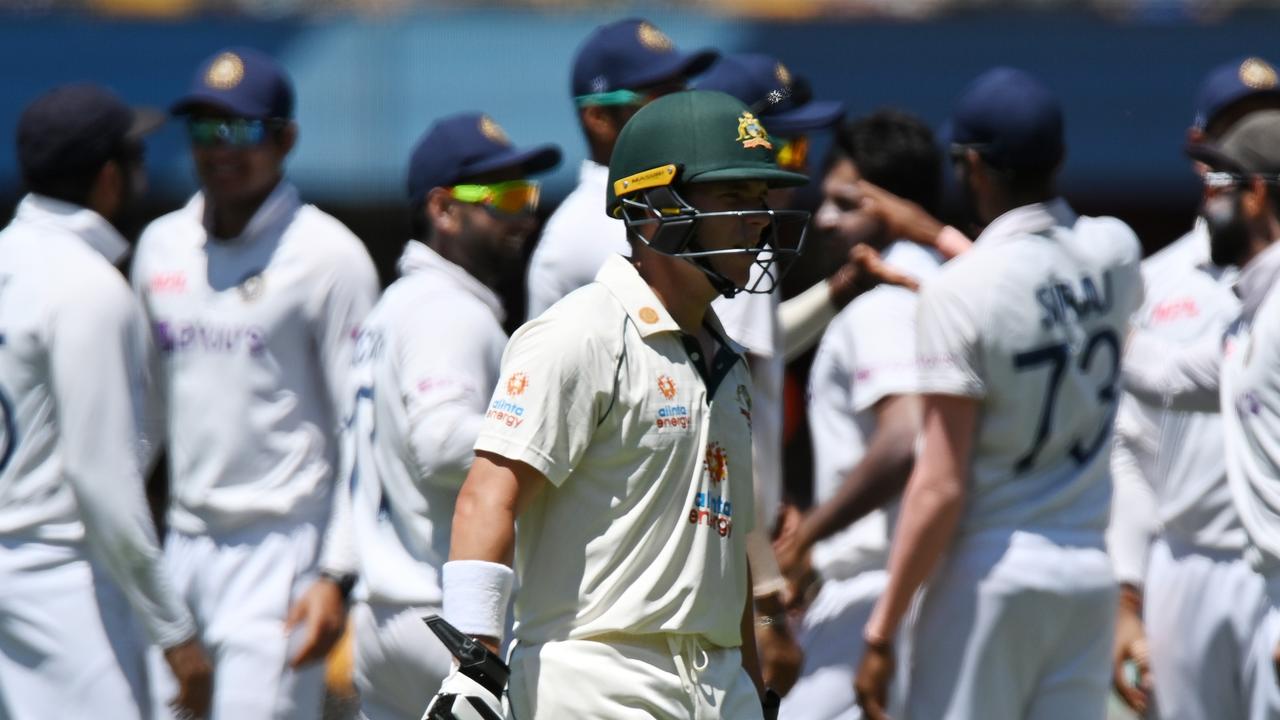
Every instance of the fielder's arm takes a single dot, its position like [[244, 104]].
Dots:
[[931, 508], [878, 478]]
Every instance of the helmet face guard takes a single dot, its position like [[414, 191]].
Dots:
[[677, 222]]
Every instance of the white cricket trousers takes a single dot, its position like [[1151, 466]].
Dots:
[[399, 662], [831, 637], [1014, 628], [239, 588], [1201, 612], [70, 646], [630, 677]]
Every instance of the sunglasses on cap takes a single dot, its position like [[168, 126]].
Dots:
[[629, 97], [232, 132], [793, 153], [1220, 180], [513, 197]]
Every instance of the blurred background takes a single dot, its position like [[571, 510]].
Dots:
[[371, 75]]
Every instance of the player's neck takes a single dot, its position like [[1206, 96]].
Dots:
[[685, 296], [229, 218]]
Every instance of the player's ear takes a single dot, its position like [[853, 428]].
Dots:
[[286, 138], [1254, 198], [442, 211]]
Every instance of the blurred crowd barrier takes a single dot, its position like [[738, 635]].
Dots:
[[1125, 10]]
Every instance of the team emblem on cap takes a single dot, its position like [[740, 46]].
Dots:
[[653, 38], [493, 130], [226, 72], [751, 133], [783, 74], [1257, 74]]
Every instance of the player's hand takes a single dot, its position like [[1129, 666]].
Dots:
[[464, 692], [871, 685], [790, 547], [864, 270], [780, 656], [900, 218], [320, 614], [194, 672], [1131, 645]]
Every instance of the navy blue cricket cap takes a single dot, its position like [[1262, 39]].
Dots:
[[772, 93], [631, 54], [462, 146], [242, 82], [1012, 119], [1230, 83], [77, 128]]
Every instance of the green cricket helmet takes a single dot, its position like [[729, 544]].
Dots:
[[701, 136]]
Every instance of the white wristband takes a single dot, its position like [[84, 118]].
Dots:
[[476, 593]]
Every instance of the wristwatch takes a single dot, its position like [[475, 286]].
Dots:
[[344, 581]]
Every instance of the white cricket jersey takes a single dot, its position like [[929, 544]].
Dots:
[[1179, 454], [867, 354], [73, 360], [642, 528], [578, 237], [255, 336], [1250, 396], [751, 319], [426, 362], [1031, 322]]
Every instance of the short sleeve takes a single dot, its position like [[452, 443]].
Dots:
[[884, 362], [948, 343], [553, 390]]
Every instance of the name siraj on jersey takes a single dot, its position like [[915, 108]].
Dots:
[[1083, 298]]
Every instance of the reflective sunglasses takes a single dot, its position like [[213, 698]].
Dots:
[[793, 153], [1220, 180], [233, 132], [513, 197]]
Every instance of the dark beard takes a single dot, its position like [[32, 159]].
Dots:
[[1228, 230]]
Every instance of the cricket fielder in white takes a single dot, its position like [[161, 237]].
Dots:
[[254, 299], [863, 414], [1188, 597], [1018, 353], [1237, 373], [77, 546], [423, 392], [619, 68]]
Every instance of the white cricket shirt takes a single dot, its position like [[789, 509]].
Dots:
[[751, 319], [1031, 322], [1250, 396], [73, 360], [255, 336], [643, 526], [578, 237], [867, 354], [427, 361], [1179, 454]]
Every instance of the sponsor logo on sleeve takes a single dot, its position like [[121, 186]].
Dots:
[[517, 384], [505, 412]]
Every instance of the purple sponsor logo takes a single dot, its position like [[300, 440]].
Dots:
[[175, 337]]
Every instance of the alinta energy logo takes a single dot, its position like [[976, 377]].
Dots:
[[517, 383], [716, 463], [714, 512], [667, 387], [670, 416]]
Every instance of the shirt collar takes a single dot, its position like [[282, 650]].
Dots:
[[593, 173], [418, 258], [1028, 220], [80, 221], [644, 308], [1256, 279], [280, 205]]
